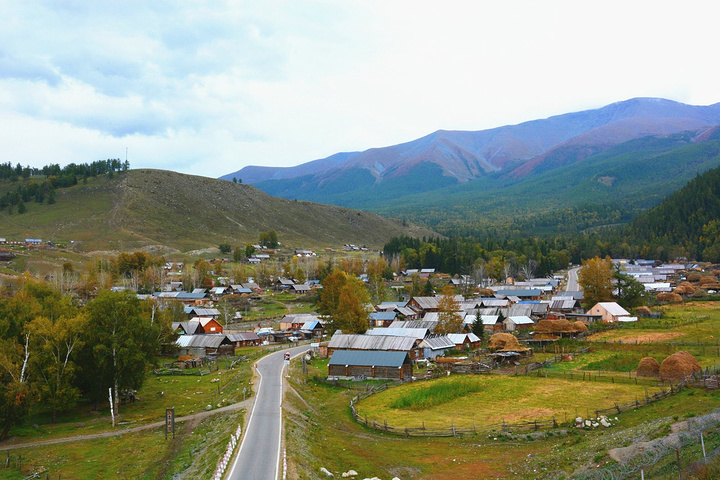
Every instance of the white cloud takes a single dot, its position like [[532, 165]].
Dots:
[[210, 87]]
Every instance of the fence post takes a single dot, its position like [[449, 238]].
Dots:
[[453, 428], [702, 442]]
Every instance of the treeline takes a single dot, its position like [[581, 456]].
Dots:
[[39, 184], [54, 352], [496, 258]]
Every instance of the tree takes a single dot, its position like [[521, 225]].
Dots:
[[449, 318], [478, 327], [351, 315], [428, 289], [629, 292], [375, 270], [238, 254], [343, 299], [595, 277], [55, 344], [269, 239], [225, 248], [121, 344], [14, 386]]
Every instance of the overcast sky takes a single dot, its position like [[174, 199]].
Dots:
[[209, 87]]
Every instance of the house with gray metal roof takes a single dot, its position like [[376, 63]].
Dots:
[[348, 341], [204, 345], [370, 364], [436, 345]]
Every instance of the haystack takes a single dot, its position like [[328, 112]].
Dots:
[[707, 280], [684, 288], [667, 297], [678, 366], [580, 327], [694, 277], [505, 342], [559, 326], [648, 367], [643, 312]]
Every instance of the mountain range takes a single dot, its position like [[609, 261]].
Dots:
[[443, 177]]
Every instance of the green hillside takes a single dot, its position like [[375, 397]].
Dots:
[[139, 208], [609, 188], [687, 223]]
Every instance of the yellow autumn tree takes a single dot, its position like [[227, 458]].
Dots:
[[449, 318], [596, 277]]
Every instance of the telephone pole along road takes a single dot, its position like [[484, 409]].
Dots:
[[258, 457]]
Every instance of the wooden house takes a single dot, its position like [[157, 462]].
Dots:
[[610, 312], [244, 339], [370, 364]]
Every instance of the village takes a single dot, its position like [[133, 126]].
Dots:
[[431, 331]]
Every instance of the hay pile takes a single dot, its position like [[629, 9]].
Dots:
[[505, 342], [678, 366], [559, 326], [667, 297], [708, 280], [684, 288], [648, 367], [643, 312], [694, 277], [580, 327]]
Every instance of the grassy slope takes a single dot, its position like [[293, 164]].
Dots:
[[152, 207]]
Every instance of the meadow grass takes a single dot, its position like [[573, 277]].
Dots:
[[498, 398], [437, 393]]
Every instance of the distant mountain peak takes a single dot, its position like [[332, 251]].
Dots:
[[462, 156]]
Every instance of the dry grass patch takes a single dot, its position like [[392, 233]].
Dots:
[[628, 337]]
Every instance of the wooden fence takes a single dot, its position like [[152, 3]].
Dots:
[[511, 428]]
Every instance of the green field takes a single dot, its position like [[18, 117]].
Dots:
[[488, 400]]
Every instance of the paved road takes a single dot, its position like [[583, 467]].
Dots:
[[258, 457], [572, 284]]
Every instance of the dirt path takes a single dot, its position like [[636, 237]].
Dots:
[[195, 418]]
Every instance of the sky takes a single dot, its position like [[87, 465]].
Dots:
[[206, 87]]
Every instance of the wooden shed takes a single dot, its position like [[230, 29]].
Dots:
[[370, 364]]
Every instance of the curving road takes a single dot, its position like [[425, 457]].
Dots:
[[258, 457], [572, 284]]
